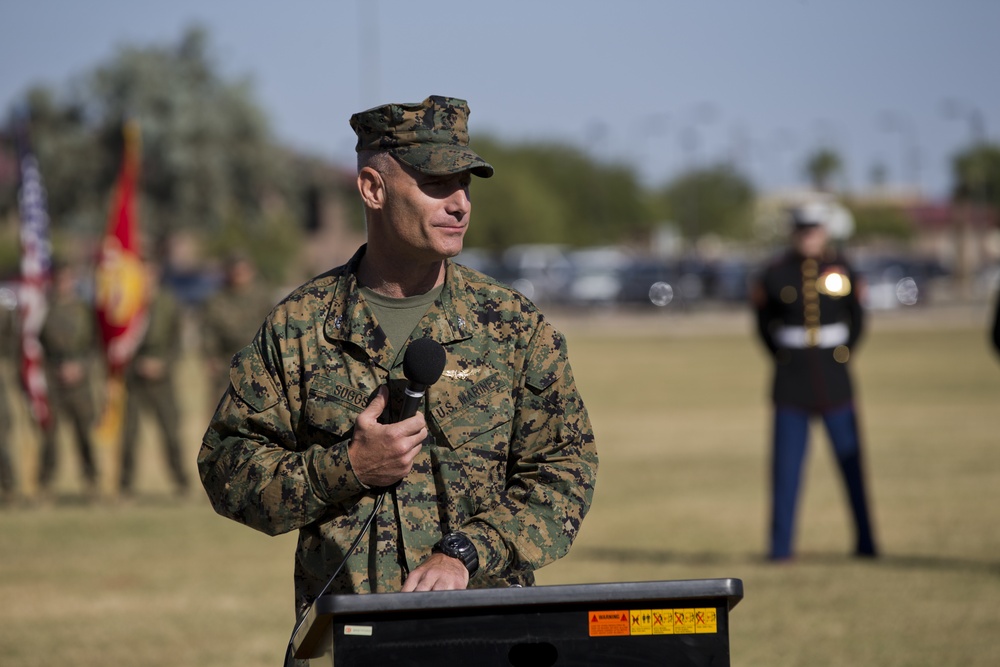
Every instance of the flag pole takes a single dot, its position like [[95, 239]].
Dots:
[[35, 270], [120, 304]]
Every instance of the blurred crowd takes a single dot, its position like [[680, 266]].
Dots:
[[218, 324]]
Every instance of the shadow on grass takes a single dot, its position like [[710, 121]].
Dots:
[[890, 561]]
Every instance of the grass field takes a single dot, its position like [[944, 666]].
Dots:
[[679, 407]]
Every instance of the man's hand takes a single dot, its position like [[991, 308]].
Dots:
[[71, 373], [438, 573], [382, 454], [151, 368]]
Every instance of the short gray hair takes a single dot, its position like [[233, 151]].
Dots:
[[380, 161]]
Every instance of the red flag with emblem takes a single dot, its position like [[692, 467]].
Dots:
[[120, 297]]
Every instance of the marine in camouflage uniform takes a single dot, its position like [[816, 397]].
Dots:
[[229, 320], [149, 381], [8, 477], [810, 318], [995, 333], [68, 340], [507, 462]]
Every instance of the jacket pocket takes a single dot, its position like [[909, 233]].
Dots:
[[463, 415], [471, 428], [332, 407]]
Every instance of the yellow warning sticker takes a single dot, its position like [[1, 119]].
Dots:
[[608, 623], [640, 622], [705, 621], [663, 621], [683, 621]]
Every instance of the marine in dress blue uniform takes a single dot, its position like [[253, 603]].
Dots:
[[810, 318]]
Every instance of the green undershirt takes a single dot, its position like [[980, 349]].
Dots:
[[399, 317]]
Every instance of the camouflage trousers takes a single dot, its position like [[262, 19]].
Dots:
[[8, 480], [158, 398], [76, 403]]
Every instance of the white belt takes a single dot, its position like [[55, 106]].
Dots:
[[828, 335]]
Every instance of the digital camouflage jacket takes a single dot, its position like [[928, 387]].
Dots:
[[511, 460]]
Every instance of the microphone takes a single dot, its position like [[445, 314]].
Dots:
[[423, 363]]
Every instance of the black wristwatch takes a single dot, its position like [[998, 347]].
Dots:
[[461, 547]]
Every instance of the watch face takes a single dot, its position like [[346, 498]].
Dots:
[[455, 542], [461, 547]]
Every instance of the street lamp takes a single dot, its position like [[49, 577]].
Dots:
[[965, 239], [703, 113], [977, 124], [892, 121]]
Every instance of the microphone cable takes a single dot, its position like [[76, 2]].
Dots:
[[289, 659], [423, 363]]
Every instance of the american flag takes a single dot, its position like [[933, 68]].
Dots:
[[36, 257]]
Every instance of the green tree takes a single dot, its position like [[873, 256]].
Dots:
[[976, 174], [714, 200], [553, 193], [880, 221], [208, 159], [822, 167]]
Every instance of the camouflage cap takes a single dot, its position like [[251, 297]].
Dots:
[[430, 136]]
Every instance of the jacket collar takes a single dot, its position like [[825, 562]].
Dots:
[[350, 319]]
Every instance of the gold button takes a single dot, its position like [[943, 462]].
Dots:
[[841, 354]]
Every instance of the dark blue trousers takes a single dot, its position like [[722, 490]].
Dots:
[[791, 436]]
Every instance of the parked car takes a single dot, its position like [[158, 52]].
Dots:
[[894, 281], [542, 272], [597, 275]]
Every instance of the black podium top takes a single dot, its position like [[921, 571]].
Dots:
[[330, 609]]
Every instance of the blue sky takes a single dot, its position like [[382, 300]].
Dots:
[[658, 84]]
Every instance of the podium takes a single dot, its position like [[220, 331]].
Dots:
[[669, 623]]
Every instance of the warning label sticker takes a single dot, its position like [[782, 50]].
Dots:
[[683, 621], [663, 621], [639, 622], [705, 621], [608, 623]]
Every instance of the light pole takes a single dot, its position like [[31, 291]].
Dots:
[[371, 67], [690, 141], [977, 124], [782, 140], [649, 127], [965, 245], [892, 121]]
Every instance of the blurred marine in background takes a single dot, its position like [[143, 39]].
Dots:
[[810, 318], [996, 323], [69, 340], [8, 343], [230, 318], [149, 381]]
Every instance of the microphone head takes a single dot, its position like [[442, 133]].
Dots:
[[423, 361]]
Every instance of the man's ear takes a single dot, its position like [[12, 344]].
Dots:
[[371, 185]]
